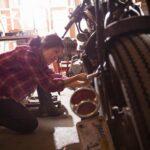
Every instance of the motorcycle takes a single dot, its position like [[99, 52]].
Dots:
[[116, 51]]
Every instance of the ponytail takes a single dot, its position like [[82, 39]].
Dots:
[[35, 44]]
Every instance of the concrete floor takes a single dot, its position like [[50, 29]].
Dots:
[[52, 133]]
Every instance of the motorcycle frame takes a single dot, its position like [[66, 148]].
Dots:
[[101, 34], [131, 25]]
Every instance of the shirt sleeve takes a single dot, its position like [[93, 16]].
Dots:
[[42, 76]]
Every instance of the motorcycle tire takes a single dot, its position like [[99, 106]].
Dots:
[[130, 56]]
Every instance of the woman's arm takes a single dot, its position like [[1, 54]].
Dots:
[[81, 78]]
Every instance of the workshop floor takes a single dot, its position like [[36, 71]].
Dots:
[[52, 133]]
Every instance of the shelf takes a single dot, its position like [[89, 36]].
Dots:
[[10, 38]]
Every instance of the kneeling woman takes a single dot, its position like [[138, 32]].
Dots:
[[21, 71]]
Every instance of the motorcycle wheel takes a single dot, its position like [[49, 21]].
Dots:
[[130, 57]]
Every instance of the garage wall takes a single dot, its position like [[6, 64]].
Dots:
[[35, 17]]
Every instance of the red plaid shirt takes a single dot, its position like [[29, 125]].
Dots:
[[21, 70]]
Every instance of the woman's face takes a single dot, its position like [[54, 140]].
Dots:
[[52, 54]]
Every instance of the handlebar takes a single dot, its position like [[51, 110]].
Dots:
[[76, 16]]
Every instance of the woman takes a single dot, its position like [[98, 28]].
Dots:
[[21, 71]]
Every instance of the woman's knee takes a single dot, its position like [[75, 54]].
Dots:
[[27, 126], [33, 124]]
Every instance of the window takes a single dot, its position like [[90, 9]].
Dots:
[[45, 16], [59, 3]]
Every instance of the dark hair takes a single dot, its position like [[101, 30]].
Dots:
[[35, 43], [52, 40]]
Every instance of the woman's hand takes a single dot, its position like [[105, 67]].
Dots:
[[81, 77], [77, 84], [77, 80]]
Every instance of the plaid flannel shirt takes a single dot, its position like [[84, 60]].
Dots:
[[21, 70]]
